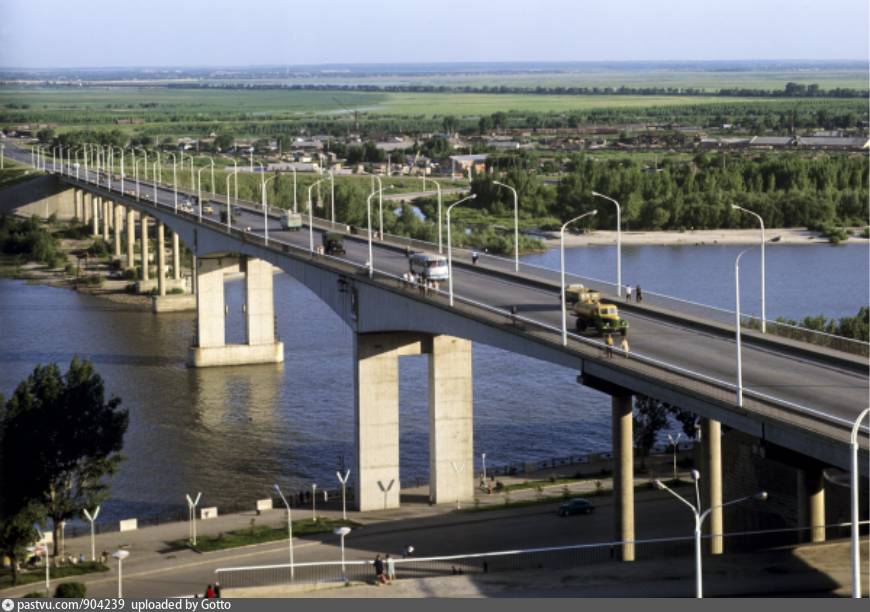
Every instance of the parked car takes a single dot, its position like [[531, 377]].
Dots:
[[576, 506]]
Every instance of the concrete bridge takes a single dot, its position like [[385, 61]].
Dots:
[[390, 319]]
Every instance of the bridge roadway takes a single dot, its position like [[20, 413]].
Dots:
[[801, 379]]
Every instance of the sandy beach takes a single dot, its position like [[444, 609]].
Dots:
[[695, 237]]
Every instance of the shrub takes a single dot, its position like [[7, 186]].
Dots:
[[130, 288], [131, 273], [70, 268], [176, 291], [34, 595], [566, 492], [553, 478], [71, 589], [52, 219], [866, 232]]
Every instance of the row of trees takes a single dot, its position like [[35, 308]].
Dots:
[[857, 327], [60, 441]]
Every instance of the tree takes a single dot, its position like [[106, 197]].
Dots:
[[650, 417], [71, 436], [484, 125], [46, 135], [450, 124], [224, 141]]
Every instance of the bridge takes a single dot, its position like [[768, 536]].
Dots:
[[799, 400]]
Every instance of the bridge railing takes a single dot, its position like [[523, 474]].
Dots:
[[564, 557]]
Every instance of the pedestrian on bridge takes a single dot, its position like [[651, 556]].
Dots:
[[628, 293], [608, 345], [623, 346], [638, 295]]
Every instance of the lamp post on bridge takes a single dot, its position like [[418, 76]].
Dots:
[[761, 221], [450, 247], [199, 197], [562, 284], [311, 218], [289, 529], [516, 226], [440, 224], [265, 206], [856, 517], [369, 207], [618, 244]]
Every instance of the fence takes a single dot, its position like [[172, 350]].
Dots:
[[523, 560]]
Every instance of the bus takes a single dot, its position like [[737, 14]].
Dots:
[[430, 267]]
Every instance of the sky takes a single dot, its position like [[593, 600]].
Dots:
[[163, 33]]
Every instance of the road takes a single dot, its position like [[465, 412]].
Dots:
[[773, 371]]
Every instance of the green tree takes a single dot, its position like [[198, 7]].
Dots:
[[484, 125], [46, 135], [650, 417], [450, 123], [72, 438], [224, 141]]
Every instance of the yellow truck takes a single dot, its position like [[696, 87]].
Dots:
[[590, 312]]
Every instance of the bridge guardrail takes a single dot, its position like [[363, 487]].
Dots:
[[583, 347], [523, 560]]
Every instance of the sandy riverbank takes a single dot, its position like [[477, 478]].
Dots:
[[696, 237]]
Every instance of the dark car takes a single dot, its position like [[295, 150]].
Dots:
[[237, 211], [576, 506]]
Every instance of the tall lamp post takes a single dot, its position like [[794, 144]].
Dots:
[[483, 456], [440, 224], [516, 226], [314, 503], [311, 218], [92, 519], [191, 506], [342, 531], [737, 326], [44, 537], [265, 205], [562, 284], [761, 221], [369, 206], [332, 192], [618, 244], [289, 529], [135, 171], [120, 555], [343, 482], [199, 196], [699, 521], [458, 471], [674, 445], [450, 247], [856, 543]]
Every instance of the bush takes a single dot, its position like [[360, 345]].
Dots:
[[34, 595], [70, 268], [176, 291], [130, 288], [52, 219], [866, 233], [131, 273], [71, 590]]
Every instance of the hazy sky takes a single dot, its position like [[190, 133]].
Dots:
[[95, 33]]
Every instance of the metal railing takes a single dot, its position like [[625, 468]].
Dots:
[[522, 560]]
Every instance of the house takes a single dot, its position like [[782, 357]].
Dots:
[[185, 144], [462, 163], [503, 144]]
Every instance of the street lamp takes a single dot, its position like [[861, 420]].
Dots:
[[174, 177], [562, 285], [458, 470], [44, 537], [439, 209], [737, 326], [380, 201], [342, 531], [450, 247], [289, 529], [265, 205], [311, 218], [516, 226], [699, 521], [92, 519], [191, 506], [229, 176], [199, 196], [154, 182], [856, 544], [483, 456], [618, 244], [120, 555], [314, 503], [332, 192], [135, 171], [761, 221], [343, 482], [369, 206], [674, 445]]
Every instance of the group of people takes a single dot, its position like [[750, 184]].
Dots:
[[608, 346], [637, 292], [72, 559], [211, 592], [385, 569], [425, 284]]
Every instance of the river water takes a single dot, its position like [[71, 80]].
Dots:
[[233, 432]]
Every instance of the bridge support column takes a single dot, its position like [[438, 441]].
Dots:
[[811, 503], [623, 473], [451, 418], [106, 208], [86, 207], [143, 222], [176, 258], [131, 236], [711, 480], [161, 259], [95, 203], [194, 279], [211, 348], [116, 227], [77, 199]]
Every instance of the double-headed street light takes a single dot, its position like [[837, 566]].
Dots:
[[618, 244], [44, 536], [92, 518], [516, 226], [674, 443], [761, 221], [562, 284], [289, 529], [450, 247], [371, 264], [699, 521], [311, 217]]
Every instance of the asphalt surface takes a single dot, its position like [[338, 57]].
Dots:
[[773, 371]]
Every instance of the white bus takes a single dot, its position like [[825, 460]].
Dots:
[[430, 267]]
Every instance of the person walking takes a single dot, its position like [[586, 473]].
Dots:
[[608, 345], [217, 590], [209, 592], [391, 569], [379, 571], [638, 295], [628, 293], [624, 346], [474, 258]]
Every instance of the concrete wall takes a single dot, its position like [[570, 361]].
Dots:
[[42, 196]]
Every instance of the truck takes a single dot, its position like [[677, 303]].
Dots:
[[591, 312], [333, 243], [291, 221]]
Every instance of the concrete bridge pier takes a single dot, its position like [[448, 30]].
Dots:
[[811, 502], [131, 236], [376, 417], [116, 227], [211, 348], [78, 196], [161, 259], [176, 258], [95, 217], [623, 472], [711, 481], [145, 256], [107, 218]]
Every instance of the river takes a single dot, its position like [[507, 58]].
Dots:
[[233, 432]]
